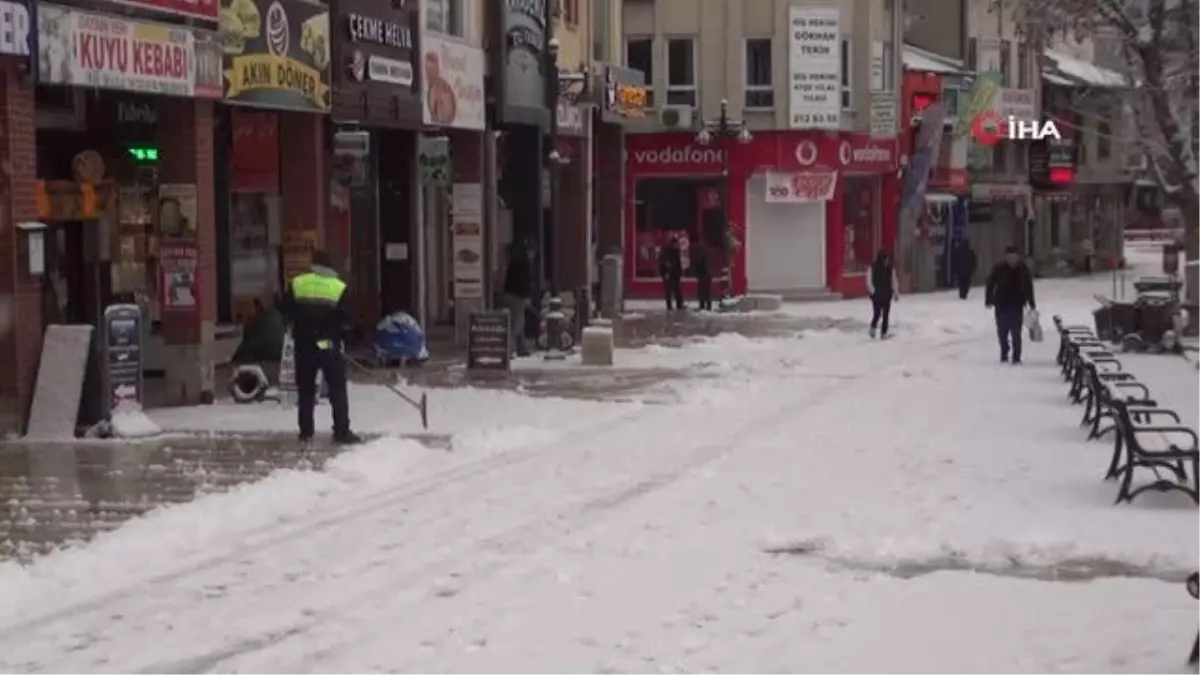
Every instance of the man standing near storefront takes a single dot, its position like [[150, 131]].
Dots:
[[1009, 291], [315, 306]]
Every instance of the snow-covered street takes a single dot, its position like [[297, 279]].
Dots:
[[822, 502]]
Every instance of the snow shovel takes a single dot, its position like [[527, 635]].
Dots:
[[420, 404]]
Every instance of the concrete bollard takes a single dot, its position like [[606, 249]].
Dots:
[[597, 347]]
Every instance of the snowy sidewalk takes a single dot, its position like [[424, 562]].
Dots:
[[910, 485]]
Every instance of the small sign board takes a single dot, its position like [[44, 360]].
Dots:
[[123, 356], [489, 341], [287, 373]]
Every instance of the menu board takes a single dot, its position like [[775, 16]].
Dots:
[[488, 341]]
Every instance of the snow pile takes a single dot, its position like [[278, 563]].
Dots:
[[502, 439], [212, 527], [130, 421]]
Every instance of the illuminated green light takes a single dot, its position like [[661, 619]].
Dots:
[[144, 153]]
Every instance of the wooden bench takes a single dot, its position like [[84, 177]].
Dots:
[[1157, 447]]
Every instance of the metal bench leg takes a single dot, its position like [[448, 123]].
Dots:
[[1118, 450], [1195, 656]]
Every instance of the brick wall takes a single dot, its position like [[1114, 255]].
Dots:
[[20, 294], [185, 138]]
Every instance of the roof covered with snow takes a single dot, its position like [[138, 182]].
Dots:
[[922, 60], [1066, 70]]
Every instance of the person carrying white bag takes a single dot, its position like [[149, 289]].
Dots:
[[1009, 291], [1033, 321]]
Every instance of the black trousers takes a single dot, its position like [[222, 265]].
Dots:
[[964, 286], [673, 286], [881, 311], [704, 292], [329, 362], [1009, 321]]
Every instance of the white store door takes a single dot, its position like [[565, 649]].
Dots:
[[785, 247]]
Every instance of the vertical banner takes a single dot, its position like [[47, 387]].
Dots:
[[815, 68], [467, 230], [924, 155]]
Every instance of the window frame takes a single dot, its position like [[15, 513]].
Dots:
[[455, 17], [691, 90], [769, 87], [1104, 144], [650, 88], [972, 54], [846, 95], [1006, 62], [1023, 73]]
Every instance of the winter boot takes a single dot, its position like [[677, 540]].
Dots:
[[871, 331], [347, 438]]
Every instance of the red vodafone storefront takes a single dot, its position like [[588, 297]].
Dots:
[[809, 209]]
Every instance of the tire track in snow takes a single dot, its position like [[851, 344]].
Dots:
[[269, 536], [532, 535]]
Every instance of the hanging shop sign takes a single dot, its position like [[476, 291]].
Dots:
[[467, 239], [375, 54], [109, 52], [14, 29], [815, 66], [519, 66], [624, 94], [571, 118], [276, 54], [453, 84], [800, 188]]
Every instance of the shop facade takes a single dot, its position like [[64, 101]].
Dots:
[[570, 234], [375, 232], [20, 288], [461, 249], [125, 103], [808, 210], [270, 148], [620, 96]]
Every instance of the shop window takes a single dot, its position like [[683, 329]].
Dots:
[[861, 216], [445, 16], [1000, 158], [760, 85], [639, 55], [1103, 138], [686, 207], [570, 11], [1022, 66], [972, 54], [681, 71]]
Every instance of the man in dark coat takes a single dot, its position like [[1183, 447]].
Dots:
[[1009, 291], [964, 267], [670, 267], [518, 287], [702, 270], [883, 287]]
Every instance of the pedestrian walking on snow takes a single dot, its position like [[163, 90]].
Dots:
[[702, 270], [1009, 291], [884, 288], [670, 267], [964, 267]]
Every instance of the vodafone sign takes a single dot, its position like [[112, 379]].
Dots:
[[801, 187], [689, 156], [861, 153]]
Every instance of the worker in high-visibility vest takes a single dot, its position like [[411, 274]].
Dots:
[[315, 306]]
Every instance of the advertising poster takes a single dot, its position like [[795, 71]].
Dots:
[[276, 53], [815, 67], [178, 261], [453, 84]]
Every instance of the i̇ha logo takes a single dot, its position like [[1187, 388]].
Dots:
[[991, 127]]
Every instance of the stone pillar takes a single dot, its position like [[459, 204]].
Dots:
[[610, 186], [20, 293], [185, 137], [466, 157], [571, 236]]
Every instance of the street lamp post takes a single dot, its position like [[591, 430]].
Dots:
[[725, 131]]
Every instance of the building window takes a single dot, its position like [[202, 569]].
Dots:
[[570, 11], [1022, 66], [1006, 63], [1103, 135], [847, 92], [889, 67], [1083, 138], [681, 71], [1056, 221], [1022, 159], [972, 54], [1000, 158], [445, 16], [760, 86], [861, 214], [639, 55]]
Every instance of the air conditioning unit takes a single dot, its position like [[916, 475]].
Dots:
[[1135, 162], [676, 116]]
